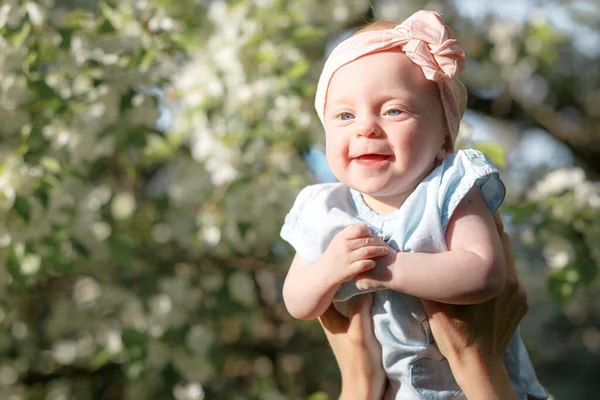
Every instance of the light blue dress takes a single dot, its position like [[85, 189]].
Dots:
[[414, 366]]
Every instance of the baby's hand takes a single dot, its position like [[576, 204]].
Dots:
[[351, 252], [381, 277]]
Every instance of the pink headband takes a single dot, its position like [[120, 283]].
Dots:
[[427, 42]]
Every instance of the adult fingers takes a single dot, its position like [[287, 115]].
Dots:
[[360, 327], [498, 221], [431, 307], [511, 273], [514, 288], [332, 321]]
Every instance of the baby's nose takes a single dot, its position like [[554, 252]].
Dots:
[[369, 128]]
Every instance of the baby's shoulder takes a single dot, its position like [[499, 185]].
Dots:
[[319, 212], [321, 195], [459, 173], [467, 162]]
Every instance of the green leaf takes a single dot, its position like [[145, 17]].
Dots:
[[561, 286], [122, 249], [20, 36], [521, 212], [298, 70], [146, 60], [77, 18], [42, 193], [135, 343], [80, 248], [22, 208], [494, 152], [101, 358], [13, 265], [319, 396], [307, 34]]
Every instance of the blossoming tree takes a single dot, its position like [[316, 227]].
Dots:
[[149, 150]]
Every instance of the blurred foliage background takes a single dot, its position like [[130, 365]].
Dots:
[[149, 150]]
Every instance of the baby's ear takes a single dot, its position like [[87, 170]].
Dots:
[[445, 150], [441, 155]]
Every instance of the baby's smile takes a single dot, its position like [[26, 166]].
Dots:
[[371, 160]]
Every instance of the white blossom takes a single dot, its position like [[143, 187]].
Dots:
[[111, 340], [161, 304], [35, 12], [211, 235], [11, 14], [30, 264], [556, 182], [123, 206], [10, 181], [8, 376], [86, 291], [189, 391], [64, 351]]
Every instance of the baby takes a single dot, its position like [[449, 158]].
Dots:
[[411, 218]]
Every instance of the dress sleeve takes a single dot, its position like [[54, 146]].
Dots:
[[296, 229], [462, 171]]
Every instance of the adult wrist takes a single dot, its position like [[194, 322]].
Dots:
[[363, 387], [481, 377]]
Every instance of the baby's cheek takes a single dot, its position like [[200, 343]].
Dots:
[[336, 152], [337, 167]]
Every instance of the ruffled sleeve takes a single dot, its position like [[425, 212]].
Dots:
[[318, 214], [462, 171], [297, 233]]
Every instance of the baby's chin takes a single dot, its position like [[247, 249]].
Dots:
[[386, 194], [376, 186], [377, 191]]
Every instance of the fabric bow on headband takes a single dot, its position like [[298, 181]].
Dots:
[[427, 42]]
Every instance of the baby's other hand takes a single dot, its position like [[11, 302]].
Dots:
[[353, 251], [380, 277]]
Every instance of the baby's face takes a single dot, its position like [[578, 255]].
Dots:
[[384, 125]]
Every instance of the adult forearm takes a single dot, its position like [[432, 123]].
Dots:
[[481, 379], [363, 387]]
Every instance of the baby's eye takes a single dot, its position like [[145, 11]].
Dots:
[[345, 116], [394, 112]]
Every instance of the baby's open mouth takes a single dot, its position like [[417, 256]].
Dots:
[[371, 158]]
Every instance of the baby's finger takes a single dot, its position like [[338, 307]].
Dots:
[[364, 282], [371, 240], [369, 252], [377, 278], [356, 231], [360, 266]]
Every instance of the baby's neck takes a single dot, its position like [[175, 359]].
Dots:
[[384, 205], [389, 204]]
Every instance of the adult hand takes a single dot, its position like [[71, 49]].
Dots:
[[474, 337], [355, 348]]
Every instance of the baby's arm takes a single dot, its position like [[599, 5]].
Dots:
[[471, 271], [309, 288]]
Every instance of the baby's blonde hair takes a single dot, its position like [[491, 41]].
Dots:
[[376, 26]]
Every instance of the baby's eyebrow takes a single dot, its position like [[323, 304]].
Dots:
[[401, 94], [340, 100]]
